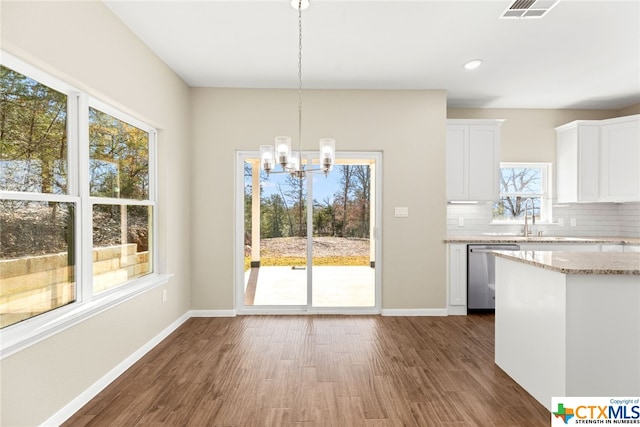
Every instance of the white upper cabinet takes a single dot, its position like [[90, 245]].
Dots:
[[473, 159], [578, 158], [620, 173], [599, 160], [457, 151]]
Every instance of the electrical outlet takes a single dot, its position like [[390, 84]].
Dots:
[[573, 222], [402, 212], [461, 222], [560, 222], [164, 295]]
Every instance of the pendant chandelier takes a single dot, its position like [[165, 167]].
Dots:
[[280, 152]]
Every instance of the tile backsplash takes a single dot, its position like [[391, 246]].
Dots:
[[591, 219]]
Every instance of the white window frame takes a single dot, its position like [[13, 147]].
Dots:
[[21, 335], [89, 201], [545, 196]]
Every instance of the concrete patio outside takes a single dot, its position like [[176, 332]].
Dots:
[[333, 286]]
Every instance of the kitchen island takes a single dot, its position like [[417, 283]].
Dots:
[[568, 323]]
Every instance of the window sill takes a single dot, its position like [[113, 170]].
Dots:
[[17, 337]]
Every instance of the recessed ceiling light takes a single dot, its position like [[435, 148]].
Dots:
[[473, 64]]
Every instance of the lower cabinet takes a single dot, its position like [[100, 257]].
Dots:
[[457, 274]]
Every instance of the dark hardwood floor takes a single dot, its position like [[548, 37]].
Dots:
[[319, 371]]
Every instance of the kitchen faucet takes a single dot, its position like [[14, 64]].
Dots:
[[527, 232]]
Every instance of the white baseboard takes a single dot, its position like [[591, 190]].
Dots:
[[457, 310], [212, 313], [74, 406], [415, 312]]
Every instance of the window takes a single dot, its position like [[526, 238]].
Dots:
[[37, 213], [524, 189], [64, 243], [122, 208]]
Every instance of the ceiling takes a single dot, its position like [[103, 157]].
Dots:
[[581, 54]]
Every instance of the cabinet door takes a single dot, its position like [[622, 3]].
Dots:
[[578, 158], [567, 169], [457, 141], [484, 162], [458, 275], [588, 163], [620, 148]]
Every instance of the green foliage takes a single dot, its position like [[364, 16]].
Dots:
[[297, 193], [33, 135], [33, 158], [324, 218], [283, 213], [274, 218], [119, 158]]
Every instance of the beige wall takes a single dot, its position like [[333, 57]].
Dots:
[[84, 44], [409, 127], [630, 110]]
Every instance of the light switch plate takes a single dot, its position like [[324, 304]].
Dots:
[[402, 212], [461, 221]]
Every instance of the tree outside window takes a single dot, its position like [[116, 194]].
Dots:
[[46, 211], [119, 169], [518, 183], [37, 215]]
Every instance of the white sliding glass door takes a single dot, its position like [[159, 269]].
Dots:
[[308, 244]]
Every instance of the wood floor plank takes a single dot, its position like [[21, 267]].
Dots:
[[319, 371], [425, 414]]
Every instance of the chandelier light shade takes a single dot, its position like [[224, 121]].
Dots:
[[266, 157], [327, 154], [294, 162], [280, 152], [283, 149]]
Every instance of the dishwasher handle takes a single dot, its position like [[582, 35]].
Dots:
[[489, 250]]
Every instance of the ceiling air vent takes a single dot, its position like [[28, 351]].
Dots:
[[528, 9]]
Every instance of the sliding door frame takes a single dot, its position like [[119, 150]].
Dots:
[[376, 234]]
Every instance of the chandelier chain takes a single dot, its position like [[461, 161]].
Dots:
[[280, 153]]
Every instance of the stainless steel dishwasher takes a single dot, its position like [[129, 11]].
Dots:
[[481, 276]]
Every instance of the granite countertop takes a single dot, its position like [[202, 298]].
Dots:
[[497, 238], [609, 263]]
